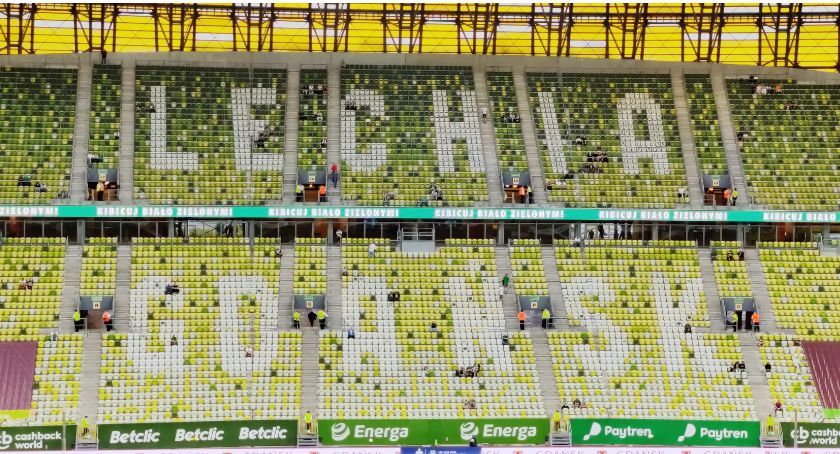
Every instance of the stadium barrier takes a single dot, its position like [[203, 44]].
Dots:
[[37, 438], [811, 435], [413, 213], [203, 434], [380, 432], [660, 432]]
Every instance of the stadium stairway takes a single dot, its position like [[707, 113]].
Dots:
[[89, 378], [545, 367], [755, 374], [285, 288], [727, 132], [126, 161], [529, 135], [334, 296], [509, 304], [309, 384], [334, 130], [759, 291], [123, 289], [488, 139], [70, 289], [689, 150], [81, 132], [291, 135], [707, 273], [555, 290]]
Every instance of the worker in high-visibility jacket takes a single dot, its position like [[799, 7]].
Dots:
[[546, 316], [296, 319], [307, 420], [322, 318], [521, 317]]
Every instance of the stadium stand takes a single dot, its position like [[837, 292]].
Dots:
[[406, 128], [803, 288], [209, 136], [210, 351], [37, 108], [711, 157], [99, 267], [509, 140], [629, 119], [313, 119], [405, 354], [790, 378], [55, 395], [635, 360], [105, 115], [528, 271], [310, 266], [730, 275], [790, 148]]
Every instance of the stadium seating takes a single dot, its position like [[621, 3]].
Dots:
[[397, 366], [389, 143], [803, 288], [26, 312], [509, 141], [105, 108], [790, 156], [37, 117], [611, 113], [790, 378], [99, 267], [55, 396], [312, 125], [711, 157], [634, 360], [527, 265], [730, 276], [197, 135], [310, 266], [228, 304]]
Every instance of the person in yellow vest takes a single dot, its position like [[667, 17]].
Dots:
[[100, 190], [734, 196], [85, 426], [771, 424], [555, 421], [296, 319], [322, 318], [77, 320], [546, 316], [307, 420], [299, 192]]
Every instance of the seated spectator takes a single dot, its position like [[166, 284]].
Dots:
[[767, 367], [172, 289], [351, 334], [344, 272], [729, 256], [391, 297], [777, 89], [577, 403], [278, 252], [743, 135], [470, 404], [396, 295], [740, 255], [173, 341], [687, 328], [249, 352], [433, 327]]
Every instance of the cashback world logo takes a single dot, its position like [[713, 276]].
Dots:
[[5, 440]]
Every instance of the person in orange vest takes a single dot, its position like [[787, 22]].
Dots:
[[755, 321], [521, 317], [726, 195], [522, 193], [106, 320], [322, 192]]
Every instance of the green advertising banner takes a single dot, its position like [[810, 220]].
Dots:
[[810, 435], [411, 213], [661, 432], [37, 438], [204, 434], [360, 432]]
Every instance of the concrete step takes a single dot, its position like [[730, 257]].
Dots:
[[81, 132], [545, 368], [707, 273], [291, 134], [529, 133], [729, 135], [334, 290], [309, 386], [70, 287], [510, 306], [555, 290], [122, 302], [689, 150], [126, 161], [488, 138], [333, 128], [755, 374], [89, 379], [286, 287], [758, 283]]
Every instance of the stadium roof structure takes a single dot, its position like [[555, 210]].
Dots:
[[785, 35]]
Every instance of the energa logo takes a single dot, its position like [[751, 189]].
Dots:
[[340, 431], [469, 430], [5, 440]]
